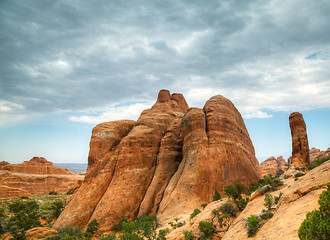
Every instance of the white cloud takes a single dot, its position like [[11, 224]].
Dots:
[[130, 112]]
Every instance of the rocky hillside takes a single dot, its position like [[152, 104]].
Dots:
[[37, 176], [168, 163]]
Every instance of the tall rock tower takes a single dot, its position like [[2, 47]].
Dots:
[[300, 148]]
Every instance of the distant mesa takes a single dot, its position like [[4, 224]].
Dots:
[[36, 176], [168, 162]]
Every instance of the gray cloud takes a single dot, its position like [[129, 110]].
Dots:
[[82, 55]]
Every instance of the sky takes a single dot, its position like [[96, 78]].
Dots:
[[66, 66]]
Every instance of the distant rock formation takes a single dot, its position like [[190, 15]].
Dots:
[[3, 163], [272, 166], [171, 160], [300, 149], [37, 176], [316, 154]]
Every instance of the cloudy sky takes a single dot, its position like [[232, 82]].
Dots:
[[68, 65]]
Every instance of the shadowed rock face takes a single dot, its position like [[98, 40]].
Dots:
[[300, 148], [167, 162]]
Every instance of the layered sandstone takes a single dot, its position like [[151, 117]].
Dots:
[[37, 176], [167, 163], [300, 148], [272, 166]]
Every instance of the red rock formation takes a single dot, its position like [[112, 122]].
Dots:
[[300, 149], [36, 165], [37, 176], [3, 163], [316, 154], [272, 166], [168, 162]]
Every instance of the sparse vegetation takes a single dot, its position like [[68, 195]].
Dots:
[[195, 213], [203, 205], [299, 174], [216, 196], [228, 208], [253, 225], [266, 215], [177, 223], [272, 182], [188, 235], [269, 201], [277, 198], [241, 203], [52, 192], [317, 223], [207, 228]]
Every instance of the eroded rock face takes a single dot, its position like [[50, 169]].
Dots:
[[3, 163], [169, 162], [316, 154], [37, 176], [272, 166], [300, 149]]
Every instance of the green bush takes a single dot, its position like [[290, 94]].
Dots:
[[207, 229], [195, 213], [253, 225], [52, 192], [56, 208], [118, 227], [269, 201], [69, 192], [188, 235], [130, 236], [318, 163], [266, 215], [111, 236], [228, 208], [263, 190], [235, 190], [216, 196], [299, 174], [92, 227], [241, 203], [277, 198], [177, 223], [162, 233], [68, 232], [317, 223], [204, 205]]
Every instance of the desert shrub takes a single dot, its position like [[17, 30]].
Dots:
[[228, 208], [317, 223], [195, 213], [216, 196], [69, 192], [318, 162], [52, 192], [299, 174], [253, 187], [188, 235], [269, 201], [119, 227], [300, 168], [263, 190], [207, 229], [24, 197], [277, 198], [177, 223], [253, 225], [279, 173], [204, 205], [162, 233], [130, 236], [241, 203], [24, 215], [68, 232], [111, 236], [56, 208], [266, 215], [235, 190], [92, 227]]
